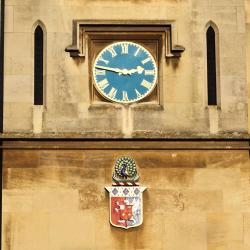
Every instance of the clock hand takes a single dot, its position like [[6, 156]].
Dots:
[[139, 70], [116, 70]]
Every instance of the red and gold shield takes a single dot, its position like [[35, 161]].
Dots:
[[126, 207]]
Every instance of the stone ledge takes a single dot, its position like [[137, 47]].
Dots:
[[190, 135], [54, 135], [104, 106], [147, 106], [136, 135]]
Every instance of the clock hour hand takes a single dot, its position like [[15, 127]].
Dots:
[[138, 70]]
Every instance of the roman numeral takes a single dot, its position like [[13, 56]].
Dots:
[[146, 60], [146, 84], [124, 48], [112, 93], [100, 72], [124, 96], [138, 94], [103, 84], [112, 51], [137, 51], [150, 72], [103, 60]]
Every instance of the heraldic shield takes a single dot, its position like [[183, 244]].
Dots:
[[126, 200]]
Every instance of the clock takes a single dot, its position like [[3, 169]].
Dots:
[[125, 72]]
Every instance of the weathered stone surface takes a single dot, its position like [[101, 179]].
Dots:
[[245, 183], [194, 200], [13, 85], [185, 231], [225, 231], [161, 200], [9, 19], [246, 238], [219, 179], [183, 89], [52, 177], [17, 201], [26, 224], [75, 230], [24, 123]]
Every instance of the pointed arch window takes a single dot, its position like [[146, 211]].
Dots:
[[38, 65], [212, 87]]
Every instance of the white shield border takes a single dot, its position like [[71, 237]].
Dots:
[[109, 189]]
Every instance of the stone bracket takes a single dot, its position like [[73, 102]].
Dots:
[[82, 27]]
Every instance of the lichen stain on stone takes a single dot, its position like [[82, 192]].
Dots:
[[5, 177], [180, 176], [63, 91], [83, 174], [162, 200], [92, 196], [79, 60], [174, 63], [7, 234], [67, 109], [184, 160]]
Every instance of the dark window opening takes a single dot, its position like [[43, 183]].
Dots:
[[38, 66], [211, 67]]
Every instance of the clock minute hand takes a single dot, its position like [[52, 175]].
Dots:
[[116, 70]]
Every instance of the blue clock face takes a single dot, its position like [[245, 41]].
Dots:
[[125, 72]]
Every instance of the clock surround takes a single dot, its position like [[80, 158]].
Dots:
[[153, 42], [89, 37]]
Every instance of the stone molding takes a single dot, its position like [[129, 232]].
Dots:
[[172, 49]]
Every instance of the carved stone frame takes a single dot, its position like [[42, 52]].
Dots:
[[88, 33], [81, 27]]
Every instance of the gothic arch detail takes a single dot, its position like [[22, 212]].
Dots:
[[212, 62], [39, 52]]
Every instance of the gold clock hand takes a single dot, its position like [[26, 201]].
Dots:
[[138, 70]]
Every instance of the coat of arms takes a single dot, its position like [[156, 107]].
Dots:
[[126, 208]]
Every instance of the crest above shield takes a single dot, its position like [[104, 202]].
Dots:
[[125, 195]]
